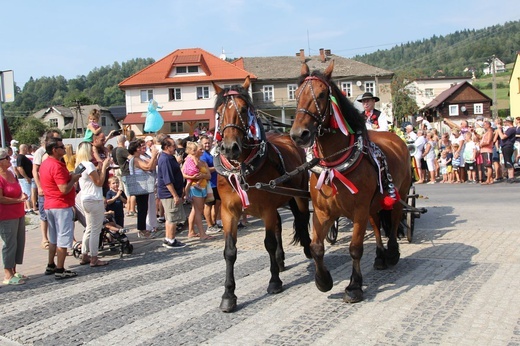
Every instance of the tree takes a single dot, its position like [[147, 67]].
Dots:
[[402, 104], [31, 131]]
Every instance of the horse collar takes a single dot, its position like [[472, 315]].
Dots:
[[349, 160]]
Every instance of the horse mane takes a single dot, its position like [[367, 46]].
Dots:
[[350, 113]]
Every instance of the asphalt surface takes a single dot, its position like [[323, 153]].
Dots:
[[456, 284]]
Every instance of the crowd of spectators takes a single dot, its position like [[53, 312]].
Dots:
[[486, 153]]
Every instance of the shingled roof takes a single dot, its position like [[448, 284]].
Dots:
[[288, 67]]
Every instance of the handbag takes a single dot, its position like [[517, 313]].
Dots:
[[139, 184]]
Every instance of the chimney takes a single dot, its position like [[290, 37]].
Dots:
[[322, 55], [302, 55]]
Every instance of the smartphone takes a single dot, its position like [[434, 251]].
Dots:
[[79, 169]]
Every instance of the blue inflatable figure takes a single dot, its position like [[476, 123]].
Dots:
[[154, 122]]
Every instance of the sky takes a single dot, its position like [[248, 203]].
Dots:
[[70, 38]]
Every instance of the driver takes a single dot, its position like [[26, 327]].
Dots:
[[375, 119]]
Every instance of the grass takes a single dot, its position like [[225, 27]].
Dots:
[[502, 93]]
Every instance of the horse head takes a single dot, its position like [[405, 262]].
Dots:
[[321, 108], [237, 123]]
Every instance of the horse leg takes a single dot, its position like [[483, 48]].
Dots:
[[354, 290], [273, 245], [379, 262], [322, 278], [229, 222], [392, 254], [301, 213]]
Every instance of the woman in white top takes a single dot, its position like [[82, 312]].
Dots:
[[91, 184], [429, 157]]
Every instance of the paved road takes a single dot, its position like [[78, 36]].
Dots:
[[456, 284]]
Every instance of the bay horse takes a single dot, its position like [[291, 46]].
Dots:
[[354, 178], [247, 155]]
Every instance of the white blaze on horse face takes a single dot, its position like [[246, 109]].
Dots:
[[230, 105]]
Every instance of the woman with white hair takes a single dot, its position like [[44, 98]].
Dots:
[[91, 184], [12, 221]]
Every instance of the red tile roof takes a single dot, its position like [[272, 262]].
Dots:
[[216, 69]]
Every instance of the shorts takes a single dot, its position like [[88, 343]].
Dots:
[[444, 170], [61, 227], [173, 213], [197, 192], [487, 159], [216, 195], [27, 187], [470, 166], [43, 214], [456, 163], [430, 163], [424, 165], [449, 169], [496, 155], [478, 159]]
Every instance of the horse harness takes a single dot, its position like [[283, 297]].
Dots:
[[352, 154]]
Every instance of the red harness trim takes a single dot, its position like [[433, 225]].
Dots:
[[339, 161]]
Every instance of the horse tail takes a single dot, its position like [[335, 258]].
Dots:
[[301, 227], [386, 221]]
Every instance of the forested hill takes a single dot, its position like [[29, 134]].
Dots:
[[450, 55]]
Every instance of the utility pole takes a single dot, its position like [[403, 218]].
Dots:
[[494, 84]]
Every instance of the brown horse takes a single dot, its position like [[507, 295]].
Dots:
[[347, 181], [246, 155]]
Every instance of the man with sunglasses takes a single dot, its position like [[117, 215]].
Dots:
[[58, 186]]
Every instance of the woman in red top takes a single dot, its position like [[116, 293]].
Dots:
[[12, 221]]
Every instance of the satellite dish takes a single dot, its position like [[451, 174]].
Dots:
[[358, 83]]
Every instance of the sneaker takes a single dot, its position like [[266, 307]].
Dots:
[[32, 212], [67, 274], [161, 219], [173, 245], [511, 181], [241, 225], [213, 229], [51, 269]]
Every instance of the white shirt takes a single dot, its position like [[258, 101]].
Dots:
[[382, 121], [89, 190], [419, 144], [411, 136]]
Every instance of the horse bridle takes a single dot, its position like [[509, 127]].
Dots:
[[320, 117], [230, 97]]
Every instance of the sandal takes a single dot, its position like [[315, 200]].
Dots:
[[206, 237], [21, 276], [14, 281], [195, 235], [98, 263], [84, 260], [45, 245]]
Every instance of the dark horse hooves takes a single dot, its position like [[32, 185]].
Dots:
[[392, 255], [380, 264], [274, 288], [353, 296], [228, 304], [324, 284]]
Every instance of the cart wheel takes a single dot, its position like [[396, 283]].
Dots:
[[76, 249], [410, 216], [332, 235]]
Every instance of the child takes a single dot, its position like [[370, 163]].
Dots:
[[93, 129], [449, 166], [443, 165], [115, 199], [456, 162], [193, 168], [469, 155]]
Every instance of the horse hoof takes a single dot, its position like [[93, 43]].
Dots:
[[392, 259], [274, 288], [379, 264], [228, 304], [354, 296], [324, 285]]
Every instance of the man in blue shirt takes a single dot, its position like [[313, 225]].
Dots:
[[170, 188], [211, 209]]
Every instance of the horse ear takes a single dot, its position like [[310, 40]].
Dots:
[[216, 87], [247, 81], [304, 70], [329, 69]]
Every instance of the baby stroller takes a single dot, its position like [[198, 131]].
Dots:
[[111, 236]]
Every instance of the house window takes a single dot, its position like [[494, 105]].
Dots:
[[174, 94], [428, 92], [291, 91], [346, 88], [146, 95], [370, 87], [176, 127], [53, 122], [103, 121], [186, 69], [454, 110], [478, 108], [202, 93], [268, 91]]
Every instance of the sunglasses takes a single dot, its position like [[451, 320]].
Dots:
[[6, 158]]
